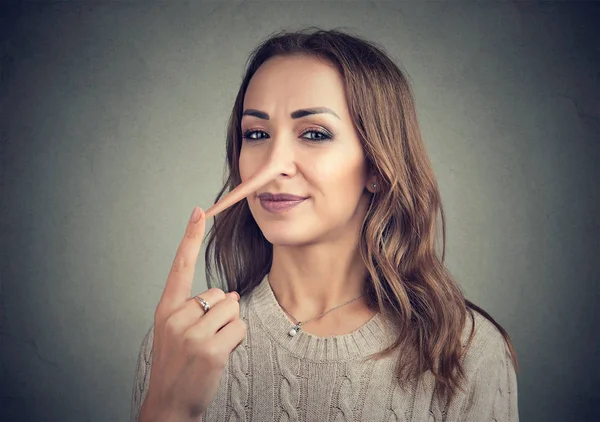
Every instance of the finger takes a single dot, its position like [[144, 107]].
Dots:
[[212, 296], [218, 316], [231, 335], [263, 176], [191, 311], [234, 295], [179, 281]]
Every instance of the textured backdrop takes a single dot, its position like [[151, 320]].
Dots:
[[113, 124]]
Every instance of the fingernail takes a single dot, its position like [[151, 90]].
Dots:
[[234, 295], [195, 215]]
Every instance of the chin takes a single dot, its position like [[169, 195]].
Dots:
[[286, 236], [283, 230]]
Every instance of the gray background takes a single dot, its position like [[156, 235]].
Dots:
[[113, 124]]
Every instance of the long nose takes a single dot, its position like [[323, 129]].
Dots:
[[279, 163]]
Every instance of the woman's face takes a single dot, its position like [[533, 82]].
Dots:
[[320, 155]]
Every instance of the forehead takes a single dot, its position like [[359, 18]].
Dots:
[[286, 83]]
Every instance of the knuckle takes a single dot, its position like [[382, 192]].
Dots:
[[191, 343], [241, 326], [191, 234], [212, 353], [216, 292], [180, 263], [172, 325], [233, 305], [214, 295], [229, 307]]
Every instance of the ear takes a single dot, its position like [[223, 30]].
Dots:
[[372, 184]]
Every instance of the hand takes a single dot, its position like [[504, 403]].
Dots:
[[191, 348]]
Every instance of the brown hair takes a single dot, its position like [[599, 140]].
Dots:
[[407, 281]]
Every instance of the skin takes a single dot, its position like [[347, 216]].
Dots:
[[316, 261]]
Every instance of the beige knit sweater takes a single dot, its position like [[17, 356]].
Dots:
[[272, 376]]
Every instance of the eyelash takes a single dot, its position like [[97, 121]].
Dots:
[[326, 135]]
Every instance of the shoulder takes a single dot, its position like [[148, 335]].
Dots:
[[491, 383], [245, 304], [256, 294], [486, 344]]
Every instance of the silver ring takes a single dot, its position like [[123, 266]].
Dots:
[[203, 303]]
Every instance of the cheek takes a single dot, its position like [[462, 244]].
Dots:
[[339, 175], [246, 166]]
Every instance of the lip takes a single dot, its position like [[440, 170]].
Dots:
[[286, 197], [280, 206]]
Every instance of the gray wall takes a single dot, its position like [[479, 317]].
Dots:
[[113, 124]]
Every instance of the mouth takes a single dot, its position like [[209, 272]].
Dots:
[[268, 196], [277, 206]]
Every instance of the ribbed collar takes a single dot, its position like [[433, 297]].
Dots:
[[359, 344]]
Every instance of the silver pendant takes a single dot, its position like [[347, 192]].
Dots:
[[294, 330]]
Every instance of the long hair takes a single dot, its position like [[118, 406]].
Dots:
[[407, 280]]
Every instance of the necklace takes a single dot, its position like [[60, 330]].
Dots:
[[296, 327]]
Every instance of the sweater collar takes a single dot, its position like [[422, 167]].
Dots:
[[370, 338]]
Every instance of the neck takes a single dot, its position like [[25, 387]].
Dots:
[[309, 280]]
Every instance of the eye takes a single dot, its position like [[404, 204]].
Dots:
[[248, 135], [318, 135], [322, 135]]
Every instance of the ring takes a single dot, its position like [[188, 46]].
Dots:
[[203, 303]]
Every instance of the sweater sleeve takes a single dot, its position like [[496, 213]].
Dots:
[[492, 392], [141, 376]]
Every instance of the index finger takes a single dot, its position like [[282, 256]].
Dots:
[[178, 287]]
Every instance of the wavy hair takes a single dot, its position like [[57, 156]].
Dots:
[[407, 280]]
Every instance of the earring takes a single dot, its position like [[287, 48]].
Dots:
[[374, 185]]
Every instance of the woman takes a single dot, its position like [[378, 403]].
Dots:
[[345, 310]]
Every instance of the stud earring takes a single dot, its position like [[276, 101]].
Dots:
[[374, 185]]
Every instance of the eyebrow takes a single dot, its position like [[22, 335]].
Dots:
[[295, 115]]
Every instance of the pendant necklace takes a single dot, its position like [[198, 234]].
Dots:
[[296, 327]]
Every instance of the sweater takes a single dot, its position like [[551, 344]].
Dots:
[[272, 376]]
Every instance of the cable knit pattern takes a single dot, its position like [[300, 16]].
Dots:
[[396, 411], [238, 390], [342, 399], [289, 390], [271, 376]]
